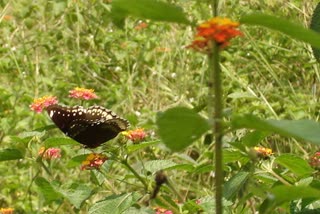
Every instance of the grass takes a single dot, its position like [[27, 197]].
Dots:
[[50, 47]]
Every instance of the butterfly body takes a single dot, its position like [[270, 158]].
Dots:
[[89, 126]]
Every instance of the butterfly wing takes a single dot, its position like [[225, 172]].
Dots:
[[90, 127]]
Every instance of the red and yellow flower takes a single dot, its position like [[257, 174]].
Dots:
[[136, 135], [6, 210], [263, 153], [82, 93], [219, 30], [93, 161], [41, 103], [314, 160], [50, 153]]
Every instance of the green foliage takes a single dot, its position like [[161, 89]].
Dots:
[[179, 127], [115, 203], [50, 47], [154, 10], [315, 25], [291, 29]]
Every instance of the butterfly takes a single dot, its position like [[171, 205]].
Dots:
[[89, 126]]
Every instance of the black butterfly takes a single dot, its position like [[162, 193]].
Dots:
[[89, 126]]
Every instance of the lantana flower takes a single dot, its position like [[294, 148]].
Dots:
[[160, 210], [50, 153], [136, 135], [314, 160], [93, 161], [41, 103], [219, 30], [141, 25], [82, 93], [263, 153], [6, 210]]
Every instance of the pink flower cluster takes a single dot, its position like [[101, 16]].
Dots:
[[136, 135], [39, 104], [50, 153], [83, 93], [93, 161]]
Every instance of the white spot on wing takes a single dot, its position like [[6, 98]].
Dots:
[[51, 113]]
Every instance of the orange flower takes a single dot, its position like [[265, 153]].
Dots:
[[160, 210], [93, 161], [6, 211], [7, 17], [314, 160], [39, 104], [263, 153], [50, 153], [135, 135], [141, 25], [219, 30], [82, 93]]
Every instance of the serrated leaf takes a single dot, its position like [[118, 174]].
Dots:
[[115, 204], [47, 190], [306, 130], [147, 9], [59, 141], [282, 25], [10, 154], [156, 165], [77, 193], [234, 184], [282, 194], [179, 127], [295, 164], [134, 147]]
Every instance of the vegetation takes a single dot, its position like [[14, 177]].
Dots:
[[137, 61]]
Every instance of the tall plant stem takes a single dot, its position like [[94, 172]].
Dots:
[[215, 107]]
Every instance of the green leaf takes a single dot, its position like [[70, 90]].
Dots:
[[204, 168], [234, 184], [47, 190], [77, 193], [143, 210], [134, 147], [283, 25], [10, 154], [233, 156], [253, 138], [282, 194], [156, 165], [179, 127], [31, 134], [147, 9], [184, 167], [59, 141], [306, 130], [115, 204], [315, 25], [76, 160], [295, 164]]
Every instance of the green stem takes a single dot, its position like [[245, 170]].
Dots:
[[125, 162], [181, 199], [215, 107]]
